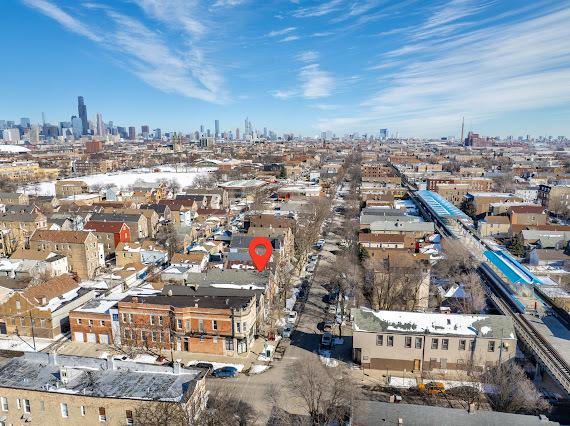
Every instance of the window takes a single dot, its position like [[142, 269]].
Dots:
[[42, 323], [102, 323], [214, 325], [143, 335], [159, 320], [434, 343], [472, 345], [229, 344], [102, 415], [82, 409], [244, 326], [408, 342], [90, 323], [123, 317], [18, 404], [462, 345], [4, 403], [115, 317], [18, 305], [64, 410], [201, 326], [445, 344], [390, 341], [491, 346], [418, 342], [380, 340], [202, 338], [154, 335], [22, 321], [27, 407], [188, 325], [238, 326], [151, 320], [129, 416], [130, 317], [179, 324]]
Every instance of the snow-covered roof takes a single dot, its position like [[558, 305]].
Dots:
[[487, 326], [14, 149]]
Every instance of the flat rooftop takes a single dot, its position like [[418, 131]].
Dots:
[[96, 377]]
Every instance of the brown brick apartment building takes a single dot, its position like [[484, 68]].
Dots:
[[205, 324]]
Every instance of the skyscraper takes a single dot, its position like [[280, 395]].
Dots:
[[100, 125], [145, 130], [132, 133], [25, 122], [77, 127], [383, 134], [82, 111], [237, 133], [217, 128]]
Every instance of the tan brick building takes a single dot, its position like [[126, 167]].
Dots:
[[68, 188], [81, 249], [49, 389], [430, 342]]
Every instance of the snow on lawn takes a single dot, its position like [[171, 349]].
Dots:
[[289, 303], [262, 356], [408, 382], [326, 359], [216, 365], [402, 382], [121, 179], [23, 344], [258, 369]]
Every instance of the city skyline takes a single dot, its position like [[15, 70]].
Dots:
[[301, 67]]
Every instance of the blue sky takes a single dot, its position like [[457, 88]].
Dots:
[[413, 66]]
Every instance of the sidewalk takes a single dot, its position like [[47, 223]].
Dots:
[[95, 350]]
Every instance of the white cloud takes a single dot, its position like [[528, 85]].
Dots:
[[283, 94], [316, 83], [323, 34], [63, 18], [289, 38], [308, 56], [181, 14], [481, 74], [228, 3], [281, 32], [315, 11], [147, 54]]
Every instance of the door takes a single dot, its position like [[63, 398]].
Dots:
[[78, 336], [3, 328], [91, 338], [417, 364], [444, 363], [104, 339], [186, 345]]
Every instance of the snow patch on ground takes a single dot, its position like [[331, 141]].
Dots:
[[263, 356], [23, 344], [258, 369], [326, 359]]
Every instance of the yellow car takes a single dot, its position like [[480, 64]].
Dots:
[[432, 388]]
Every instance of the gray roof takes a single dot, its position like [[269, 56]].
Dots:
[[178, 290], [373, 413], [229, 276], [98, 377], [114, 217], [400, 226]]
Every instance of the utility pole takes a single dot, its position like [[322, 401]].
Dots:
[[33, 334]]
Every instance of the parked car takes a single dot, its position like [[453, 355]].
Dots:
[[332, 309], [328, 326], [310, 268], [204, 365], [313, 257], [287, 331], [225, 372], [292, 317], [326, 339], [432, 388]]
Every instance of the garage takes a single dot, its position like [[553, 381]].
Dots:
[[91, 337], [104, 339], [78, 336]]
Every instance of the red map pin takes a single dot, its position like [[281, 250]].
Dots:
[[260, 260]]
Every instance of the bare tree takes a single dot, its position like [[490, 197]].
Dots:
[[154, 413], [325, 398], [227, 407], [513, 391], [457, 260], [7, 186], [168, 236], [203, 180], [473, 299], [396, 284]]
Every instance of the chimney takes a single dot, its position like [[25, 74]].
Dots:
[[52, 358]]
